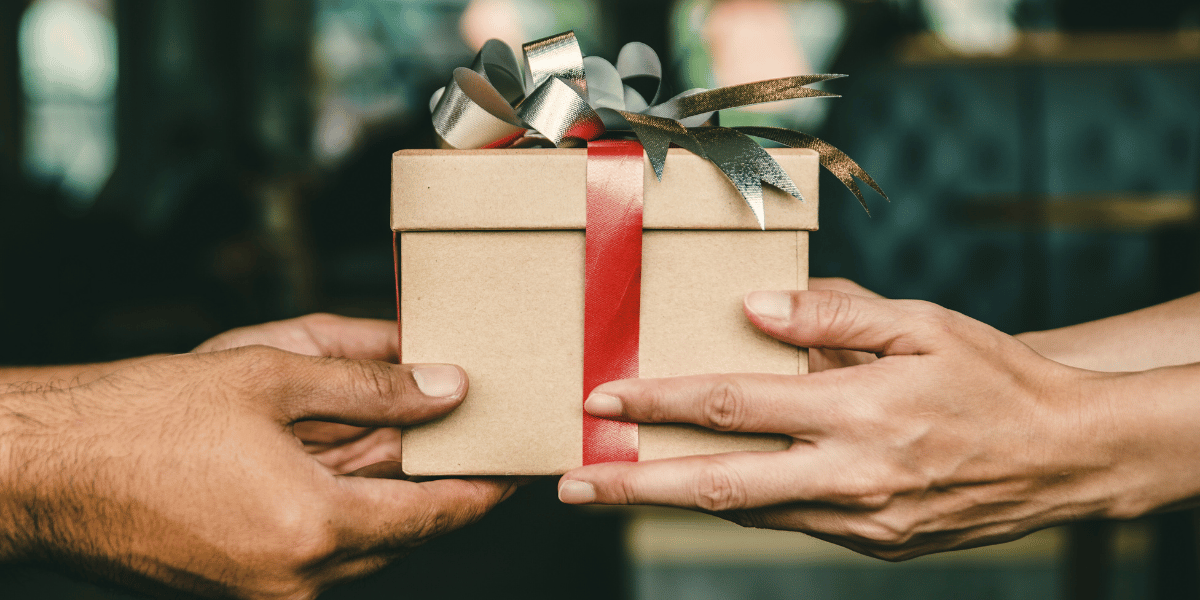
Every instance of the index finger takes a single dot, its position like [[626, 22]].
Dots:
[[795, 405]]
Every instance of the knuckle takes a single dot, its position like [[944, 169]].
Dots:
[[724, 406], [885, 534], [375, 379], [832, 309], [929, 314], [719, 489], [874, 533], [628, 490], [305, 536], [262, 361], [863, 495]]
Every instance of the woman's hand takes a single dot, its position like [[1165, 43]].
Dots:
[[957, 436]]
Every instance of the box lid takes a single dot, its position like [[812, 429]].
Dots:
[[544, 188]]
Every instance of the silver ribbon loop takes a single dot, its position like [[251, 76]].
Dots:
[[554, 56], [557, 110], [571, 99], [497, 62], [471, 114]]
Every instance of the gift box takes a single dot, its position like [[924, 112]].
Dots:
[[490, 248], [623, 251]]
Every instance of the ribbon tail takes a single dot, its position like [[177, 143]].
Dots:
[[657, 134], [835, 161], [786, 88], [746, 164]]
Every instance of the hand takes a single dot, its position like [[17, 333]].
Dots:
[[343, 448], [182, 473], [958, 436]]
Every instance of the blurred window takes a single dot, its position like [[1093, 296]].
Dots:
[[69, 73], [974, 26], [738, 41], [378, 61]]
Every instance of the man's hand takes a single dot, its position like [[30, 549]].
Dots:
[[957, 436], [344, 448], [183, 473]]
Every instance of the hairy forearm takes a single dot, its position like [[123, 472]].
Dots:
[[13, 425], [17, 379], [1164, 335]]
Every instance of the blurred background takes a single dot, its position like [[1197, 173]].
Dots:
[[172, 169]]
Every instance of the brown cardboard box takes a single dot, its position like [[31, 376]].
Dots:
[[491, 277]]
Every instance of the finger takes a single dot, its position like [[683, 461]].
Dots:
[[752, 403], [381, 444], [388, 469], [839, 284], [321, 434], [388, 515], [833, 319], [361, 339], [717, 483], [317, 335], [363, 393]]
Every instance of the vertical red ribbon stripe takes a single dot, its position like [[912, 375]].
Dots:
[[613, 289]]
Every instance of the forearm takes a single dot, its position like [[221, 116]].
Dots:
[[1154, 418], [15, 422], [1164, 335], [60, 376]]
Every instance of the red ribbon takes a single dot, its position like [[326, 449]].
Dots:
[[613, 289]]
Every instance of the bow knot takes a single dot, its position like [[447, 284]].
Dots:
[[571, 99]]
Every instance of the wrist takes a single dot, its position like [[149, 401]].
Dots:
[[1056, 345], [1151, 438]]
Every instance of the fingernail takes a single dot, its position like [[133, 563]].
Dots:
[[576, 492], [438, 381], [602, 405], [770, 305]]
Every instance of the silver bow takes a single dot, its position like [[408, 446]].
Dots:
[[570, 99]]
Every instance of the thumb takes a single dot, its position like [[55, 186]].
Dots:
[[834, 319], [366, 393]]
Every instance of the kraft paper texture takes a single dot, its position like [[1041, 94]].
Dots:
[[500, 292]]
